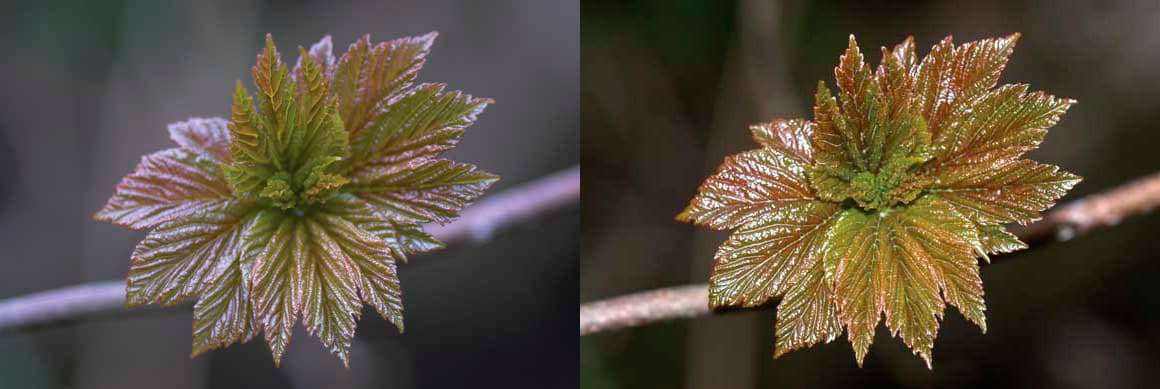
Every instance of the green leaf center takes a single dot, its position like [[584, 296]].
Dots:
[[899, 181]]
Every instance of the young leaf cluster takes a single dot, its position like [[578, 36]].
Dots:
[[299, 207], [882, 204]]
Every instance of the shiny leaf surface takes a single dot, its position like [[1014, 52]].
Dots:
[[179, 257], [421, 190], [165, 186], [208, 138], [883, 204], [268, 218], [425, 121], [746, 187]]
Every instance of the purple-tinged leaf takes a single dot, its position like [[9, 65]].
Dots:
[[256, 216], [223, 315], [420, 190], [330, 291], [166, 185], [322, 53], [277, 288], [346, 218], [177, 259], [748, 186], [208, 138], [423, 122]]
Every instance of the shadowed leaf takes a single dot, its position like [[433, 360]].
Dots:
[[368, 76], [165, 186], [258, 215], [277, 287], [424, 122], [223, 315], [421, 190], [178, 258], [208, 138]]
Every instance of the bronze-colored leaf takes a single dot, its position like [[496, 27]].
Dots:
[[1005, 191], [765, 258], [790, 137], [906, 180], [746, 187]]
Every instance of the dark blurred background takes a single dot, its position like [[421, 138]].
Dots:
[[87, 87], [670, 87]]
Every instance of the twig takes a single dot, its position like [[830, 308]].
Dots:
[[1104, 209], [477, 224], [678, 302]]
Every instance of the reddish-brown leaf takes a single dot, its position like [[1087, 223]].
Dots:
[[748, 186]]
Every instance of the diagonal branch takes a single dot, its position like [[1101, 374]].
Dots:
[[1104, 209], [478, 223]]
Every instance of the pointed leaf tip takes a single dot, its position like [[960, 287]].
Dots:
[[294, 132], [951, 179]]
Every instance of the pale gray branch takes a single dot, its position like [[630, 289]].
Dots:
[[476, 225]]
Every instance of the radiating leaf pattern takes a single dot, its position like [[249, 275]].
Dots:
[[164, 186], [176, 259], [747, 187], [880, 207], [300, 206], [421, 190]]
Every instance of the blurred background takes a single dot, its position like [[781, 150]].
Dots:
[[87, 87], [670, 87]]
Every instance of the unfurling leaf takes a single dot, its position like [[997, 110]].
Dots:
[[300, 205], [882, 205]]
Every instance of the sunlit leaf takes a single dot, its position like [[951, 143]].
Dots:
[[746, 187], [882, 206], [790, 137], [269, 219], [1002, 124], [765, 258], [1004, 192]]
